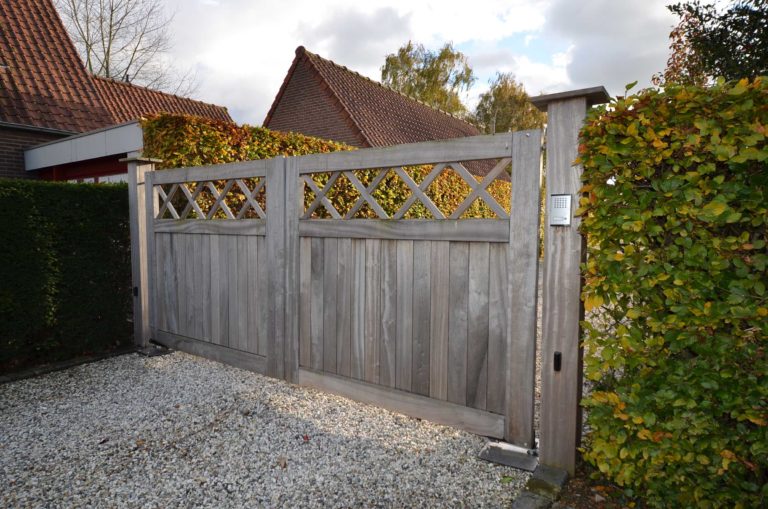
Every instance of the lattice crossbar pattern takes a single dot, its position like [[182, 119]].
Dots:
[[213, 199], [408, 193]]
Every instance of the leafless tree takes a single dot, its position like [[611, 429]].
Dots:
[[126, 40]]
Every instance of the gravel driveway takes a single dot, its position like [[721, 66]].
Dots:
[[184, 431]]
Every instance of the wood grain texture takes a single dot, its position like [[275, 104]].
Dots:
[[215, 301], [422, 307], [276, 258], [372, 310], [439, 320], [179, 250], [161, 322], [480, 230], [330, 280], [523, 287], [388, 352], [457, 323], [561, 391], [317, 305], [294, 201], [357, 357], [469, 419], [213, 172], [344, 294], [263, 310], [237, 358], [252, 294], [477, 325], [305, 303], [404, 358], [198, 297], [242, 295], [212, 226], [223, 289], [232, 293], [498, 312], [205, 291]]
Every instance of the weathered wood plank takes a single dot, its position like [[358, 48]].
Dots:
[[404, 359], [212, 351], [457, 323], [563, 251], [227, 171], [170, 286], [232, 294], [161, 321], [294, 202], [215, 302], [422, 307], [523, 276], [276, 257], [480, 230], [317, 305], [199, 298], [388, 352], [357, 358], [442, 151], [305, 307], [477, 325], [372, 310], [205, 292], [497, 328], [440, 304], [224, 290], [330, 279], [344, 307], [263, 284], [212, 226], [252, 296], [472, 420], [242, 294], [179, 254]]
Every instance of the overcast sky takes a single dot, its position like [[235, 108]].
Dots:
[[242, 49]]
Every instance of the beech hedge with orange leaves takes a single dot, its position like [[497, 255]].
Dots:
[[180, 141], [676, 213]]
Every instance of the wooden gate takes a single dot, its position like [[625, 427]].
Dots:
[[412, 306]]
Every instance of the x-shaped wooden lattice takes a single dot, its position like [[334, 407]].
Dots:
[[219, 198], [479, 190]]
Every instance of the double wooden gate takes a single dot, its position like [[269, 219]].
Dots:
[[301, 269]]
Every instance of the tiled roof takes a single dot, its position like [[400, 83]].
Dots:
[[383, 116], [43, 82]]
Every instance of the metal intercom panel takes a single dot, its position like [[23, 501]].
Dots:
[[560, 210]]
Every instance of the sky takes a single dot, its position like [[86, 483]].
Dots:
[[241, 50]]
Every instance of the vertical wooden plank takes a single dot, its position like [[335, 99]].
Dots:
[[330, 278], [223, 288], [263, 288], [422, 303], [233, 281], [477, 325], [497, 327], [161, 321], [198, 298], [562, 310], [388, 352], [294, 203], [242, 291], [357, 357], [522, 284], [440, 305], [189, 283], [142, 210], [305, 309], [404, 359], [215, 299], [205, 295], [179, 253], [457, 323], [276, 253], [317, 304], [253, 294], [372, 310], [170, 285], [343, 307]]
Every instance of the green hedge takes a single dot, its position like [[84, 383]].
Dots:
[[65, 271], [676, 209]]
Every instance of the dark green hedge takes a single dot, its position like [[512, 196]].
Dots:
[[65, 274], [676, 215]]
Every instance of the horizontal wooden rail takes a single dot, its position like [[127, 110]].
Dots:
[[442, 412], [212, 226], [430, 152], [466, 230], [237, 358], [245, 169]]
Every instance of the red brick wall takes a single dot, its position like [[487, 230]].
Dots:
[[307, 108], [12, 145]]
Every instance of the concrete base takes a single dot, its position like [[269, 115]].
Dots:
[[542, 489], [510, 455]]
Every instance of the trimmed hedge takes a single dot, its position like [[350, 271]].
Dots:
[[676, 210], [65, 271], [180, 141]]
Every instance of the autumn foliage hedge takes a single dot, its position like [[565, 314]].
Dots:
[[675, 212], [181, 141]]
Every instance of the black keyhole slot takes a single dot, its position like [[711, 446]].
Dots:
[[558, 361]]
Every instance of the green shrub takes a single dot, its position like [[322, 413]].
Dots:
[[675, 210], [65, 271]]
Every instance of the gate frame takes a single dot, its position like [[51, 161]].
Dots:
[[561, 421]]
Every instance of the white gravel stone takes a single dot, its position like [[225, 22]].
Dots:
[[180, 430]]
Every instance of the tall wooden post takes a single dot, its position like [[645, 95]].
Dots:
[[137, 168], [564, 251]]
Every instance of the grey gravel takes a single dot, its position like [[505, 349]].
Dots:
[[182, 431]]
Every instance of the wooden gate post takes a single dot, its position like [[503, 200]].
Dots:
[[138, 166], [564, 251]]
